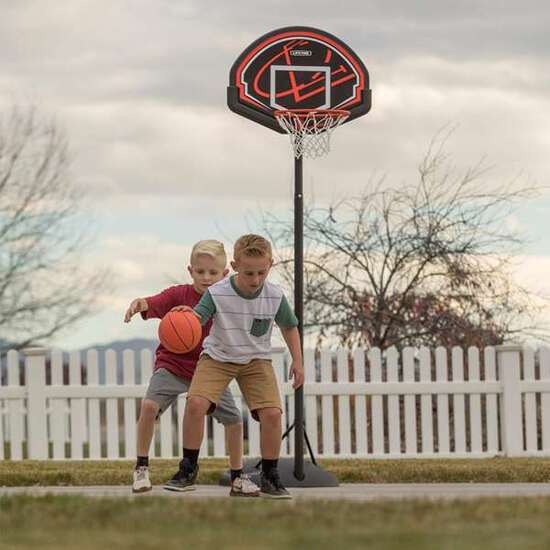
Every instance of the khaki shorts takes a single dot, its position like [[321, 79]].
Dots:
[[256, 380]]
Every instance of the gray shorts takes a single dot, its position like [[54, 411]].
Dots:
[[165, 387]]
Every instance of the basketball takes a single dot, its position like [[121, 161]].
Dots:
[[180, 331]]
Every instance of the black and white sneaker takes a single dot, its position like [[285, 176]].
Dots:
[[271, 486], [184, 479]]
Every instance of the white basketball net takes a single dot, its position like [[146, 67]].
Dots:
[[310, 131]]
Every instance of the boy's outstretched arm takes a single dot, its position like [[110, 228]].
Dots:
[[136, 306], [292, 339]]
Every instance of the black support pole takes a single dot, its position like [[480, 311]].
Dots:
[[299, 309], [295, 472]]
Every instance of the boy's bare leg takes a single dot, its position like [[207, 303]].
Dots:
[[145, 430], [270, 433], [193, 421], [146, 426], [234, 444]]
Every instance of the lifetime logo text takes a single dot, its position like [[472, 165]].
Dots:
[[301, 53]]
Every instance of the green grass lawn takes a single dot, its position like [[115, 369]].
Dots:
[[151, 523], [111, 472]]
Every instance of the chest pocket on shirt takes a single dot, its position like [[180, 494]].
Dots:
[[260, 327]]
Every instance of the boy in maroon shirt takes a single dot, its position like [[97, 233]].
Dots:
[[173, 372]]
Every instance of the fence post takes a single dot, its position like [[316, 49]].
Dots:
[[508, 361], [35, 376]]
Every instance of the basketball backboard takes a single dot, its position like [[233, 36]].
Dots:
[[297, 68]]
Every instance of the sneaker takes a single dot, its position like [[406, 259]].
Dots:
[[271, 486], [142, 483], [243, 486], [184, 479]]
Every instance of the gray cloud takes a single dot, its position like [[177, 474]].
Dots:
[[181, 51], [141, 88]]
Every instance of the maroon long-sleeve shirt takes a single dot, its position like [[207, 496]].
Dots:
[[180, 364]]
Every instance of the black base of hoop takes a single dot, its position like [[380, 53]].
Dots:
[[314, 476]]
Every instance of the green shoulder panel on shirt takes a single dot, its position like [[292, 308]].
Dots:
[[206, 307], [285, 317]]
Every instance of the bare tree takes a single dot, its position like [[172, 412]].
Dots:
[[421, 264], [45, 285]]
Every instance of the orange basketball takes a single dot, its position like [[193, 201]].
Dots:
[[180, 331]]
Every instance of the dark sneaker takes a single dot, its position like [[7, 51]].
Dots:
[[271, 486], [184, 479]]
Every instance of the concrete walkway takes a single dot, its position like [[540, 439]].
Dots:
[[350, 491]]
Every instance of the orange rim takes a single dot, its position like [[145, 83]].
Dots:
[[304, 113]]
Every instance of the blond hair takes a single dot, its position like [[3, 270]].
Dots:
[[210, 247], [253, 246]]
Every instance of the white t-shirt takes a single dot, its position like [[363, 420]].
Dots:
[[242, 325]]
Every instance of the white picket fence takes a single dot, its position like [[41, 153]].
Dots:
[[420, 403]]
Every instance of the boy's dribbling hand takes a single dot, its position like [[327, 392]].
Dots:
[[182, 308], [297, 374], [136, 306], [186, 308]]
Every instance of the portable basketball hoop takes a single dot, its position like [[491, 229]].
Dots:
[[310, 129], [304, 82]]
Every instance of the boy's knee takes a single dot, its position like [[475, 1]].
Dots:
[[197, 406], [149, 408], [270, 415]]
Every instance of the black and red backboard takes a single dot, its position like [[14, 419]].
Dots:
[[297, 68]]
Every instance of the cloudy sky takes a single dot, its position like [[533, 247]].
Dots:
[[140, 88]]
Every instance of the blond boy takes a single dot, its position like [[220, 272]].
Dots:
[[173, 372]]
